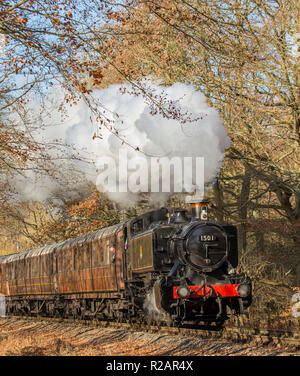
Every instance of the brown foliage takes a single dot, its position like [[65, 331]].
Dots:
[[239, 54], [30, 224]]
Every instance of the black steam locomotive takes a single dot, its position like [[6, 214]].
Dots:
[[165, 265], [197, 279]]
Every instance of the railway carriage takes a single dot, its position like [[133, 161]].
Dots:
[[162, 264]]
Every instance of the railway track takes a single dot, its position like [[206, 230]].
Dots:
[[255, 336]]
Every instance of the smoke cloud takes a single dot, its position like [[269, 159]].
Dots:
[[202, 135]]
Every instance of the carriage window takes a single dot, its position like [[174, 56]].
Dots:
[[37, 270], [88, 255], [81, 252], [64, 261], [9, 271], [48, 265], [38, 266], [44, 264], [71, 267], [63, 256], [32, 264], [107, 252], [102, 245], [34, 267], [94, 254], [21, 272], [27, 263], [1, 272], [16, 269], [59, 262], [23, 269], [68, 260], [75, 259], [6, 272]]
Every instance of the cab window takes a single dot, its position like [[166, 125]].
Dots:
[[137, 227]]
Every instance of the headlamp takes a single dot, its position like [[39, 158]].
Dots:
[[183, 292], [243, 290]]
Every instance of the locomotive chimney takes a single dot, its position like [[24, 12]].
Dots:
[[199, 206], [200, 210]]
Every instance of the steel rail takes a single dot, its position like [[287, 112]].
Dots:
[[259, 336]]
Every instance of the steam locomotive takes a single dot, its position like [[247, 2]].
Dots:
[[164, 265]]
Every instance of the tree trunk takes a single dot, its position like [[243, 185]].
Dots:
[[218, 193], [243, 209], [260, 243]]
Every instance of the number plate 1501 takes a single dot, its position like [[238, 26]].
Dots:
[[207, 238]]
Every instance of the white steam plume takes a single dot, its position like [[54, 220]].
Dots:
[[154, 135]]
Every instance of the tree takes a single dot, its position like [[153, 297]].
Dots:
[[241, 55], [30, 224], [43, 44]]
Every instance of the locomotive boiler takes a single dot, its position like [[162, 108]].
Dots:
[[169, 265]]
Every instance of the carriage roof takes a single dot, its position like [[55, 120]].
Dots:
[[46, 249]]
